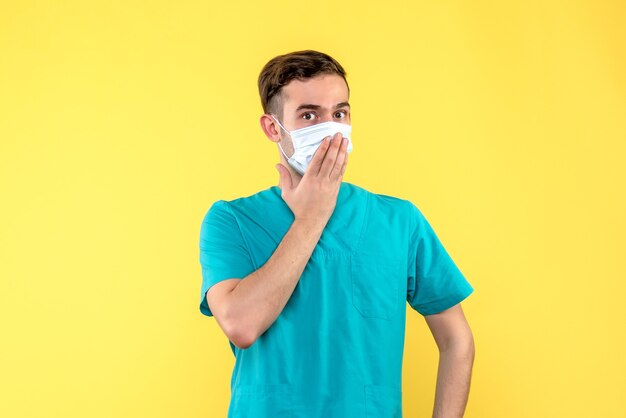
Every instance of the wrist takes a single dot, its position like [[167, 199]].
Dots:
[[310, 224]]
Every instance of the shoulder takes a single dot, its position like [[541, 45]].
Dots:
[[395, 210], [261, 198], [384, 201]]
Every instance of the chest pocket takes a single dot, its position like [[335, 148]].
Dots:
[[375, 286]]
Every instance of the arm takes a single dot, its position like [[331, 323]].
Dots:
[[246, 308], [456, 357]]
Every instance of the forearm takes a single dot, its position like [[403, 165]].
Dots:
[[453, 380], [255, 303]]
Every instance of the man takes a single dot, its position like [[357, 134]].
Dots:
[[309, 280]]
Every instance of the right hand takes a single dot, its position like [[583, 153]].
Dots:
[[314, 198]]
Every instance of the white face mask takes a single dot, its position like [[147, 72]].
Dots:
[[308, 139]]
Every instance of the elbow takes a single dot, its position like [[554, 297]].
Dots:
[[241, 340], [242, 335], [461, 347], [465, 349], [471, 349], [232, 315]]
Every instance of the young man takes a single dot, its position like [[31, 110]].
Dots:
[[309, 280]]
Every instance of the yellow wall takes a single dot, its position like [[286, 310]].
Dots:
[[122, 121]]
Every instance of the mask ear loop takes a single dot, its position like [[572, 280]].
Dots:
[[281, 125]]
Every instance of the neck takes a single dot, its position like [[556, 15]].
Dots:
[[295, 176]]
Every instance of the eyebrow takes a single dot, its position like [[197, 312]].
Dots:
[[317, 107]]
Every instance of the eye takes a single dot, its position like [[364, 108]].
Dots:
[[340, 114], [308, 116]]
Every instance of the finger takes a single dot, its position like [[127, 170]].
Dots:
[[284, 181], [318, 157], [331, 156], [343, 168], [341, 157]]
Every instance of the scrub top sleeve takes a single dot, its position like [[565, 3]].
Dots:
[[223, 252], [434, 281]]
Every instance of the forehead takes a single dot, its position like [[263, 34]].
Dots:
[[325, 90]]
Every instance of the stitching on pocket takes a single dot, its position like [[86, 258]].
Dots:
[[260, 400]]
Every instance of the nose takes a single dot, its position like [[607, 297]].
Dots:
[[327, 117]]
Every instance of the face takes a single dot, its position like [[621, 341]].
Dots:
[[307, 102]]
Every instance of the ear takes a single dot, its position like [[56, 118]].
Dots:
[[270, 128]]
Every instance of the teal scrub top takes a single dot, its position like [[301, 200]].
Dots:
[[336, 348]]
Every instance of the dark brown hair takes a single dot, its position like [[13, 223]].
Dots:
[[299, 65]]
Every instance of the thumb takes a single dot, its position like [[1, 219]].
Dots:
[[284, 182]]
